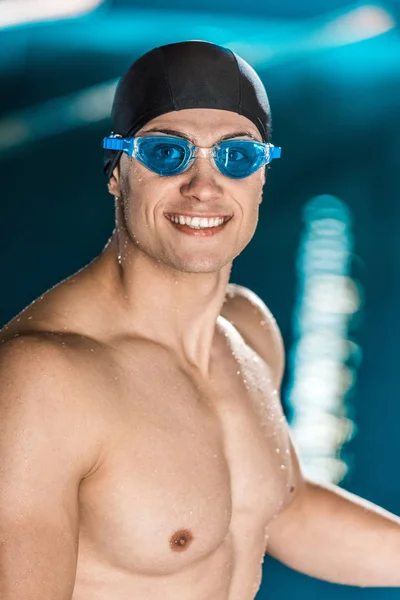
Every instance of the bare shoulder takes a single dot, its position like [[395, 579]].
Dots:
[[42, 392], [255, 322], [30, 354]]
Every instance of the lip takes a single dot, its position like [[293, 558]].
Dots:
[[199, 215]]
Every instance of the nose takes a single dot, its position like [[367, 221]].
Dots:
[[201, 181]]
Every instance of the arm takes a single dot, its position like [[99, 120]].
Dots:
[[333, 535], [42, 462], [324, 531]]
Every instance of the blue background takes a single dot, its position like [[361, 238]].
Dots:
[[335, 112]]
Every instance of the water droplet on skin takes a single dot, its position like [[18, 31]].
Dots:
[[237, 372], [29, 318], [283, 467], [263, 323], [278, 450]]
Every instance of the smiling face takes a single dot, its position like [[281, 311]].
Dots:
[[155, 211]]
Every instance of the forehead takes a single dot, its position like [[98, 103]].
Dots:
[[201, 123]]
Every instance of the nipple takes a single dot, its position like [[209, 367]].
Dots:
[[180, 540]]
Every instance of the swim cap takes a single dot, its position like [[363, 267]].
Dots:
[[192, 74]]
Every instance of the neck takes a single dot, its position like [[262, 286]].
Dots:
[[175, 309]]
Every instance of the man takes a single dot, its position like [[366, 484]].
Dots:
[[143, 448]]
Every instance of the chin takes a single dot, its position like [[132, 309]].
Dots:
[[203, 265]]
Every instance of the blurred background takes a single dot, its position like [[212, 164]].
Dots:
[[325, 255]]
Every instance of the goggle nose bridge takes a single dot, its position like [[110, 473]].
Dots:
[[212, 151], [203, 152]]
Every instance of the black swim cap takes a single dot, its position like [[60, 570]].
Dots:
[[191, 74]]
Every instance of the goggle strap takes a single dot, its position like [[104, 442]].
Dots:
[[275, 152], [117, 143]]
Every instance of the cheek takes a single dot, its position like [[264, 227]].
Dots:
[[143, 193], [250, 200], [251, 196], [138, 177], [137, 188]]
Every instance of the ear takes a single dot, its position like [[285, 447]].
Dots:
[[265, 171], [114, 183], [263, 179]]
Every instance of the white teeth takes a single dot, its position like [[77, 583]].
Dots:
[[197, 222]]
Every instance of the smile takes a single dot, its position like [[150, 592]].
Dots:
[[198, 222]]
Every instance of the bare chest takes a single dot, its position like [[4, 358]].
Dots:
[[188, 466]]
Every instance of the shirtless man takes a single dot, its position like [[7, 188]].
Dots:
[[143, 449]]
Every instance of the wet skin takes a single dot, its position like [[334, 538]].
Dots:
[[156, 436]]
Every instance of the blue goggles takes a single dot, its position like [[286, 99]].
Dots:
[[168, 155]]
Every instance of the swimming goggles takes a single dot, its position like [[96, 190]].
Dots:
[[169, 155]]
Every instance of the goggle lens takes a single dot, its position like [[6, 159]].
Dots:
[[165, 157], [239, 159]]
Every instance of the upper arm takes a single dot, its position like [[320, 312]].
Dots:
[[41, 464]]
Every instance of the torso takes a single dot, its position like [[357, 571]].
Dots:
[[191, 474]]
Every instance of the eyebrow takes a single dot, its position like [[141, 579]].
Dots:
[[175, 132]]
